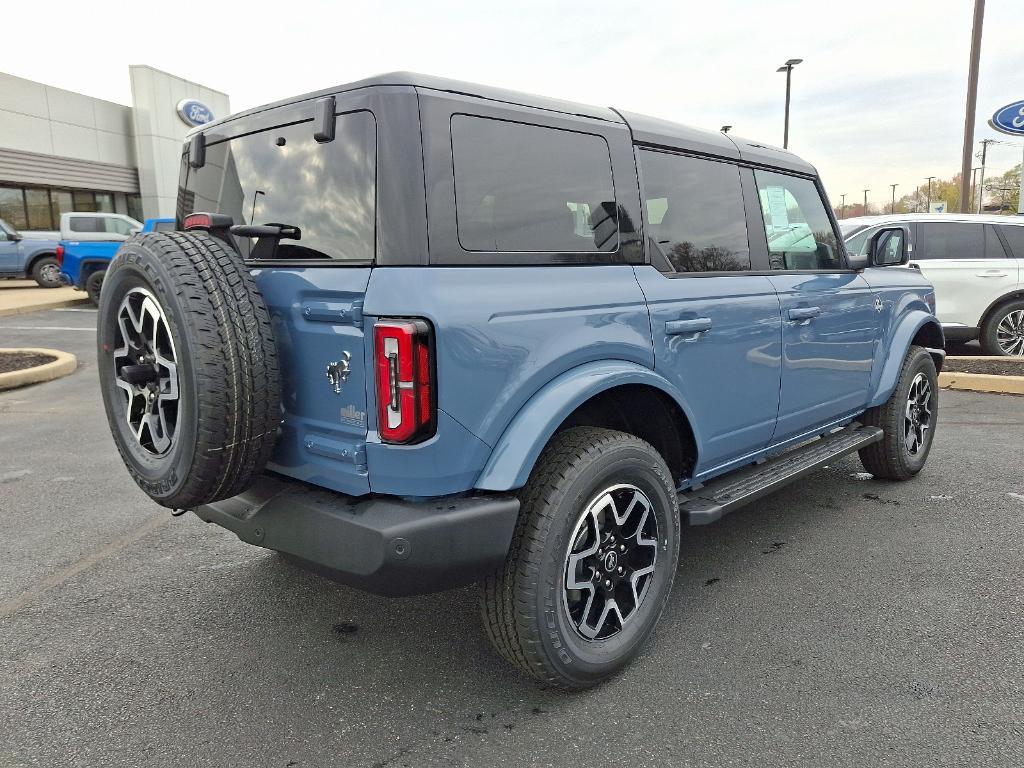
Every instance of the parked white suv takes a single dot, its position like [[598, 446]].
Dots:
[[976, 264]]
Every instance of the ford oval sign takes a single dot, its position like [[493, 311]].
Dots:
[[1009, 119], [194, 112]]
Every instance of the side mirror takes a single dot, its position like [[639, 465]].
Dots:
[[888, 247]]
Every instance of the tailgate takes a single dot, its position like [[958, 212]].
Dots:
[[317, 317]]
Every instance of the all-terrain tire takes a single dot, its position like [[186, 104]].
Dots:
[[46, 272], [1013, 313], [94, 286], [892, 458], [227, 367], [522, 602]]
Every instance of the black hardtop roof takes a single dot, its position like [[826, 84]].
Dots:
[[646, 130]]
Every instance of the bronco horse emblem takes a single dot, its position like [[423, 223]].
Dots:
[[338, 371]]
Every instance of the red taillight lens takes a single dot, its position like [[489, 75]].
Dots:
[[59, 253], [405, 380], [197, 221]]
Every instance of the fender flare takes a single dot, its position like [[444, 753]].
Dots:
[[899, 344], [40, 254], [515, 453]]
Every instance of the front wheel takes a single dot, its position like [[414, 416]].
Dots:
[[908, 419], [592, 561]]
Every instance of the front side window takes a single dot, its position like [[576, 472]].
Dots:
[[695, 212], [284, 176], [529, 188], [858, 244], [951, 240], [799, 230], [120, 226]]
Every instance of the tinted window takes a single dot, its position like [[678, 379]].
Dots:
[[951, 240], [86, 224], [1015, 239], [283, 176], [695, 212], [800, 234], [528, 188]]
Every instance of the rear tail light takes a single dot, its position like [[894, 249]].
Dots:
[[59, 253], [198, 221], [403, 357]]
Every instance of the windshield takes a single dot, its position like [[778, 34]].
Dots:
[[284, 176], [847, 229]]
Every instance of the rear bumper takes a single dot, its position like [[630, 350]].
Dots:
[[384, 545]]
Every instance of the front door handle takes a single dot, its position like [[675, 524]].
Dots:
[[992, 273], [803, 313], [681, 327]]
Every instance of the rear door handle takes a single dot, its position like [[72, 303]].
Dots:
[[992, 273], [803, 313], [680, 327]]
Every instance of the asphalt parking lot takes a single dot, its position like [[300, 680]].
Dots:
[[843, 621]]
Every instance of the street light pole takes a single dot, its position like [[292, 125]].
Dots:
[[788, 69], [972, 102], [930, 193], [842, 206], [892, 209], [984, 157], [865, 202]]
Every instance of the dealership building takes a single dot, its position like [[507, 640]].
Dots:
[[63, 151]]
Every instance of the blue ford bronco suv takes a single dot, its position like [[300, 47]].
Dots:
[[415, 333]]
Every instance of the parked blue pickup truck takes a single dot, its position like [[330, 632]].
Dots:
[[90, 240], [22, 256], [416, 333]]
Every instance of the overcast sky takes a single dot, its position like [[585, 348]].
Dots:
[[879, 98]]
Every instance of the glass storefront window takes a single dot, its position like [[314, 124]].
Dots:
[[85, 201], [12, 207], [134, 207], [37, 203], [104, 202], [61, 201]]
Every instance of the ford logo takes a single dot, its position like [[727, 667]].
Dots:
[[194, 112], [1009, 119]]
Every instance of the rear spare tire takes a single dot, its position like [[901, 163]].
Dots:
[[188, 368]]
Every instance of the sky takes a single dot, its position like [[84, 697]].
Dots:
[[879, 98]]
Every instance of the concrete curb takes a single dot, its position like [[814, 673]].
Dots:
[[983, 382], [7, 311], [65, 364]]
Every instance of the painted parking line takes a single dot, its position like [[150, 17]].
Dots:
[[43, 328], [74, 309]]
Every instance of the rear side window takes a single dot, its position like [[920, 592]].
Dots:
[[951, 240], [695, 212], [525, 187], [799, 231], [1014, 238], [284, 176], [86, 224]]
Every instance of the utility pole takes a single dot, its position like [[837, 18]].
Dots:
[[972, 101], [930, 193], [974, 179], [842, 206], [893, 208], [788, 69], [865, 202], [984, 155]]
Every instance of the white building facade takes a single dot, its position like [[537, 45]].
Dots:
[[62, 151]]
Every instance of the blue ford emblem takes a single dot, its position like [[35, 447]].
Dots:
[[1009, 119], [194, 112]]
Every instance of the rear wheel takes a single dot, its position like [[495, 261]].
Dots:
[[1003, 332], [94, 285], [908, 419], [592, 560], [46, 272], [188, 368]]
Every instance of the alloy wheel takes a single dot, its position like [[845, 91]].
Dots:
[[917, 418], [610, 564], [146, 370], [1010, 333]]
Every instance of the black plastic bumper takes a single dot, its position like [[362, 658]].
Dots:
[[384, 544]]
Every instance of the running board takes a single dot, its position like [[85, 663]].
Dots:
[[707, 504]]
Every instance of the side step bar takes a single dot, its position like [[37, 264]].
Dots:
[[707, 504]]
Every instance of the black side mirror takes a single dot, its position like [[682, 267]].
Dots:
[[888, 247]]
